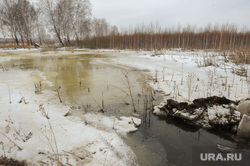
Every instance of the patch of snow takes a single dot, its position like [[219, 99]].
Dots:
[[157, 111], [121, 125], [244, 107], [222, 115], [243, 129]]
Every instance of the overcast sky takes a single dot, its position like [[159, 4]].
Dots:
[[169, 13]]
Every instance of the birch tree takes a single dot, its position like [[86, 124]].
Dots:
[[48, 8], [67, 18], [18, 18], [8, 17]]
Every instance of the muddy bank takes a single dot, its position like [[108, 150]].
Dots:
[[211, 113]]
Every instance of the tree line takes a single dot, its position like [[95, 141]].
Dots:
[[71, 23], [153, 37]]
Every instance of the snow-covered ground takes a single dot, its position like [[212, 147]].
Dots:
[[183, 76], [187, 75], [34, 128]]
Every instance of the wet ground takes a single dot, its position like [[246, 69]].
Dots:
[[86, 82]]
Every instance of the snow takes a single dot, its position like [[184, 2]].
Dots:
[[33, 127], [179, 75], [18, 49], [121, 125], [184, 76], [158, 111], [243, 129], [244, 107], [222, 115], [185, 115], [96, 139]]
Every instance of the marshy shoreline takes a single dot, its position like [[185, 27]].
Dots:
[[34, 88]]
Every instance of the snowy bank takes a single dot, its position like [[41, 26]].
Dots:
[[34, 128], [243, 129], [184, 76]]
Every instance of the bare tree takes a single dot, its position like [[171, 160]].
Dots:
[[68, 18], [41, 33], [9, 17], [26, 19], [2, 29], [114, 32], [48, 8], [64, 16], [100, 29], [18, 17], [82, 19]]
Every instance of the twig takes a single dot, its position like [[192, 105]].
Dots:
[[102, 102], [19, 148], [9, 94], [120, 89], [130, 91], [59, 94]]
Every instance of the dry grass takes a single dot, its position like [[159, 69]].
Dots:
[[240, 56], [50, 138], [47, 46], [47, 49], [12, 45]]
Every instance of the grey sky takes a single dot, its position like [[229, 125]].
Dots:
[[169, 13]]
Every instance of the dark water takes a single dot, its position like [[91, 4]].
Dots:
[[170, 141], [88, 83]]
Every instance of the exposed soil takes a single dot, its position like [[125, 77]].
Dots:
[[10, 162], [211, 112], [198, 103]]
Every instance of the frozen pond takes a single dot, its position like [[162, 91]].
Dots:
[[89, 82]]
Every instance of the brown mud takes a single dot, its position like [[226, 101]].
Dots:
[[196, 113]]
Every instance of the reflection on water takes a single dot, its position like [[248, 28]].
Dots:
[[87, 82], [84, 81], [170, 142]]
